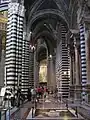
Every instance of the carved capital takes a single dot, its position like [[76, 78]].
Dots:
[[83, 10], [21, 10], [16, 8]]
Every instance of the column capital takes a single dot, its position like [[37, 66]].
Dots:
[[71, 34], [74, 31], [73, 40], [16, 8], [31, 51], [76, 41]]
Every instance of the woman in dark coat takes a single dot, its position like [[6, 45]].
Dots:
[[29, 94]]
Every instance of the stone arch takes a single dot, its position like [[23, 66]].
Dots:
[[46, 13], [41, 49], [48, 40]]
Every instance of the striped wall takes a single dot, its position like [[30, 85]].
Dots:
[[83, 59], [62, 65], [13, 62]]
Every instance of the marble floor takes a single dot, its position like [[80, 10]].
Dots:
[[49, 109]]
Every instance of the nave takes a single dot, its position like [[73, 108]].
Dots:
[[46, 42]]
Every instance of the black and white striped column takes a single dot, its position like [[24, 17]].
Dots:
[[65, 64], [31, 68], [13, 60], [25, 64], [83, 59], [20, 19], [62, 65]]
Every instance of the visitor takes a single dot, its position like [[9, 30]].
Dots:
[[29, 94], [33, 94]]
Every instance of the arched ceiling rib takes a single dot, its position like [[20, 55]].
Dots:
[[61, 5], [47, 14], [48, 5], [42, 26], [66, 6]]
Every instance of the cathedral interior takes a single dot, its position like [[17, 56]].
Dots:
[[45, 43]]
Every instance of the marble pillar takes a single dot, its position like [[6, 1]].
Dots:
[[36, 74], [31, 68], [71, 92], [77, 66], [53, 80], [87, 44], [48, 78], [51, 75], [14, 44]]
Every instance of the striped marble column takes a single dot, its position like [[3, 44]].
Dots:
[[87, 46], [71, 89], [83, 59], [13, 60], [64, 56], [31, 68], [62, 65], [19, 41], [25, 64]]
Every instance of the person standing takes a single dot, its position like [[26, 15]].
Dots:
[[33, 93], [29, 94]]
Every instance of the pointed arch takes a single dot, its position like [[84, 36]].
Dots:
[[45, 13], [34, 7]]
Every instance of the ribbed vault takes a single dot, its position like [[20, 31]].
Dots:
[[43, 16]]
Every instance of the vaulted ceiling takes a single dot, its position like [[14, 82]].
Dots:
[[43, 16], [67, 7]]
